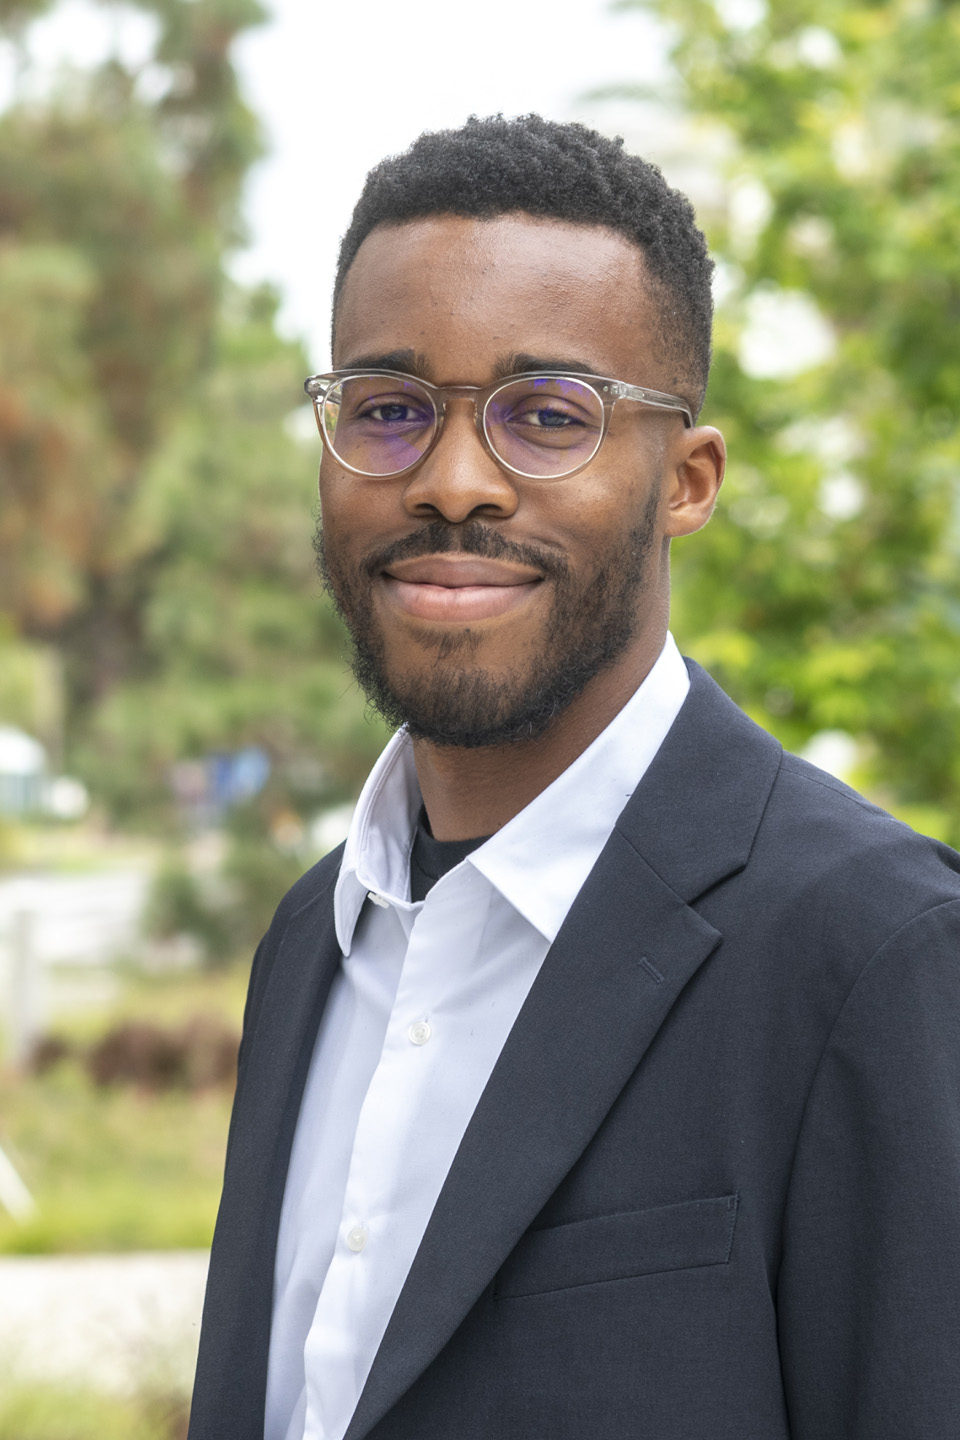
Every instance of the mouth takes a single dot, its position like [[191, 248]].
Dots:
[[458, 588]]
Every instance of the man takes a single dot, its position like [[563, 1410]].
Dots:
[[607, 1083]]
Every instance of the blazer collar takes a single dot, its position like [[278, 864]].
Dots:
[[291, 979], [695, 815], [630, 944]]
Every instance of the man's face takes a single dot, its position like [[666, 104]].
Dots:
[[482, 604]]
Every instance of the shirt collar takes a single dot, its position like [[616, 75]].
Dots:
[[376, 856], [541, 858]]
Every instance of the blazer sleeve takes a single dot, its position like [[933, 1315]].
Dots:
[[869, 1283]]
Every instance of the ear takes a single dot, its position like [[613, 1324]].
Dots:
[[698, 463]]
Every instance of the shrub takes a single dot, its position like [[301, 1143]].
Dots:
[[194, 1056], [179, 905]]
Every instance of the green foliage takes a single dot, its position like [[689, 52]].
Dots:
[[257, 873], [121, 1168], [204, 119], [30, 688], [110, 281], [56, 460], [10, 844], [112, 1169], [155, 507], [229, 911], [109, 287], [15, 14], [237, 645], [826, 592], [178, 904]]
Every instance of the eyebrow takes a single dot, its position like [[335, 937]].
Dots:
[[412, 362], [409, 361], [522, 363]]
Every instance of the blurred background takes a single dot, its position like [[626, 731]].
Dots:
[[179, 734]]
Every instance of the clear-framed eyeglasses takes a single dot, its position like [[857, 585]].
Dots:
[[382, 423]]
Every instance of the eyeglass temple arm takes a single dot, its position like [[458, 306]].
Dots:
[[655, 398]]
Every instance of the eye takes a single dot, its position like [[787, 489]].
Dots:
[[545, 417], [381, 412], [546, 410], [394, 412]]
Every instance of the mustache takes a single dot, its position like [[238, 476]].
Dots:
[[471, 537]]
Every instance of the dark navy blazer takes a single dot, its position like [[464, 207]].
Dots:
[[712, 1188]]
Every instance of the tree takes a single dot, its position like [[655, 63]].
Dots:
[[115, 213], [826, 592], [237, 645], [155, 511]]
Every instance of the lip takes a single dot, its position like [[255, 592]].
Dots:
[[458, 588]]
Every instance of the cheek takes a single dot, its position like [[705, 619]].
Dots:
[[593, 521], [358, 511], [334, 487], [345, 509]]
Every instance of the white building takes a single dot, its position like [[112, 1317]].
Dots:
[[23, 771]]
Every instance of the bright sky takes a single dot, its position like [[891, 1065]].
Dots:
[[339, 87]]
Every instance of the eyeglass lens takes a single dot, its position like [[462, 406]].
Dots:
[[542, 426]]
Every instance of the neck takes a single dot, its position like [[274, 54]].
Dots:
[[467, 793]]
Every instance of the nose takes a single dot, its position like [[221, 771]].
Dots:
[[459, 478]]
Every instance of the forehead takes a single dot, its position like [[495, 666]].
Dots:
[[464, 294]]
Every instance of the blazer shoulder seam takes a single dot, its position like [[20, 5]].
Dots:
[[855, 985], [803, 770]]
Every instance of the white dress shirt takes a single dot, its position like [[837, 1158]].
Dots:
[[417, 1016]]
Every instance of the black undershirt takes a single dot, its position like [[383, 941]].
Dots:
[[431, 858]]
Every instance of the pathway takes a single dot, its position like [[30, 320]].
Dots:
[[116, 1322]]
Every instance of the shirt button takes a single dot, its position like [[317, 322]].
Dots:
[[419, 1032], [357, 1237], [378, 900]]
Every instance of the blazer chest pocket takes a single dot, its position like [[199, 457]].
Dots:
[[618, 1247]]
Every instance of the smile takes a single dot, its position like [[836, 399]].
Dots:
[[458, 588]]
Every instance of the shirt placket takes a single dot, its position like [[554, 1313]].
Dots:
[[376, 1229]]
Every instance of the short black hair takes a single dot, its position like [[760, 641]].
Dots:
[[495, 166]]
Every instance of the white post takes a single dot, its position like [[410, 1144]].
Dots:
[[24, 992], [14, 1195], [23, 1022]]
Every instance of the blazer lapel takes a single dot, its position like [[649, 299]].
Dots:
[[628, 947], [232, 1366]]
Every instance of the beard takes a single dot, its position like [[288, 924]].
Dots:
[[593, 621]]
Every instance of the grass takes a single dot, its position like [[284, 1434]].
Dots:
[[112, 1169], [116, 1168], [166, 998], [76, 848], [34, 1412]]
